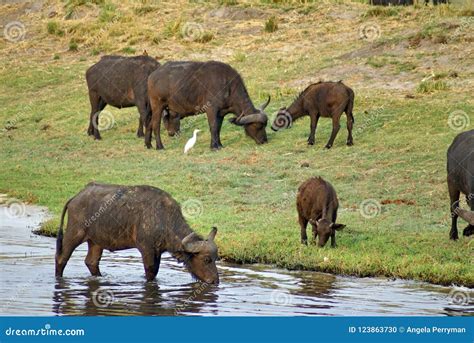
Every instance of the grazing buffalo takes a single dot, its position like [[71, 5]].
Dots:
[[190, 88], [116, 217], [322, 99], [316, 202], [120, 82], [461, 180]]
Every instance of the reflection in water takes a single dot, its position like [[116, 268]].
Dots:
[[28, 286]]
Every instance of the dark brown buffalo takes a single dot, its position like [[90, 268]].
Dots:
[[190, 88], [120, 82], [322, 99], [316, 202], [116, 217], [461, 180]]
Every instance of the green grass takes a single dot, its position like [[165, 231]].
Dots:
[[271, 25], [248, 191]]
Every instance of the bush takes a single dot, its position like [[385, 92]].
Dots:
[[53, 28], [129, 50], [73, 46], [271, 25]]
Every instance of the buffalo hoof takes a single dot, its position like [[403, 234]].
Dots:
[[468, 231], [148, 146], [160, 147], [350, 143], [97, 138], [140, 134], [310, 142], [328, 146], [305, 242]]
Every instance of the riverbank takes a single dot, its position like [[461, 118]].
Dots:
[[412, 81]]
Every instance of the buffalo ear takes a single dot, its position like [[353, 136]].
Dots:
[[338, 227], [145, 53]]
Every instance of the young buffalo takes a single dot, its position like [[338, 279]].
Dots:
[[317, 204], [116, 217], [120, 82], [322, 99]]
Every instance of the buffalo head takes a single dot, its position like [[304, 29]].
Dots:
[[325, 228], [203, 256], [172, 122], [254, 123]]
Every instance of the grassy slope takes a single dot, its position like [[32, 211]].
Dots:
[[246, 190]]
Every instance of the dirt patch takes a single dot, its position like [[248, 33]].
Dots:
[[398, 202], [236, 13]]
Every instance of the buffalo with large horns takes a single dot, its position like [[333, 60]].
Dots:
[[190, 88]]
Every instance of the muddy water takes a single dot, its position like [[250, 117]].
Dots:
[[28, 286]]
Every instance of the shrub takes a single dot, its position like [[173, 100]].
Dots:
[[271, 25]]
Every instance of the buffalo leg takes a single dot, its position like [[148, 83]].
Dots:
[[70, 243], [214, 127], [97, 105], [454, 201], [469, 230], [350, 124], [303, 223], [93, 257], [151, 262], [219, 120], [144, 112], [333, 240], [154, 124], [314, 125], [335, 129]]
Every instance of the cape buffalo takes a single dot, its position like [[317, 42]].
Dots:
[[316, 202], [322, 99], [190, 88], [117, 217], [120, 82], [461, 180]]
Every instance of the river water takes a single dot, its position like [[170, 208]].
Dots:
[[28, 286]]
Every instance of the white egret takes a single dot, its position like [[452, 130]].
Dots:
[[190, 143]]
